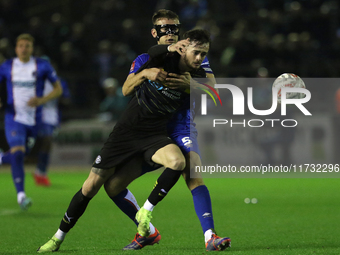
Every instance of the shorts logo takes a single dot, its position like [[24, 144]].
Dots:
[[98, 159], [186, 141], [13, 133]]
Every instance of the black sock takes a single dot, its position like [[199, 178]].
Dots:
[[74, 211], [163, 185]]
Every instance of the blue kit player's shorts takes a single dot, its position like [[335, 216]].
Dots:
[[185, 140], [45, 129], [18, 134]]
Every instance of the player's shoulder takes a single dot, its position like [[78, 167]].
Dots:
[[139, 62], [143, 57], [7, 62], [42, 61], [206, 65]]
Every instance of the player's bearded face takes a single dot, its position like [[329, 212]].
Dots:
[[195, 55], [24, 50]]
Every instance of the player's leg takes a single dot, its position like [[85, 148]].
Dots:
[[5, 158], [202, 204], [116, 189], [45, 137], [187, 142], [16, 138], [171, 157], [77, 207]]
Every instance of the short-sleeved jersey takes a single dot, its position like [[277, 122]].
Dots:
[[184, 117], [50, 110], [24, 81]]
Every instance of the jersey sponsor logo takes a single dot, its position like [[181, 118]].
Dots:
[[24, 84], [186, 141], [157, 85]]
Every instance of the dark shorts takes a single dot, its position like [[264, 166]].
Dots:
[[124, 146]]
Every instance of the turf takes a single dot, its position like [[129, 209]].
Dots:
[[292, 216]]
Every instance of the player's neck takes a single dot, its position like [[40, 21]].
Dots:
[[183, 67], [24, 60]]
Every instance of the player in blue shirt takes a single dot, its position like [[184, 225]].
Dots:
[[50, 120], [25, 78]]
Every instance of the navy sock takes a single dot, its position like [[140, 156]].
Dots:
[[202, 204], [43, 159], [74, 211], [127, 204], [17, 167], [6, 158], [164, 183]]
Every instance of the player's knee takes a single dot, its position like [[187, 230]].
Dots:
[[176, 163], [193, 183], [112, 190], [89, 189]]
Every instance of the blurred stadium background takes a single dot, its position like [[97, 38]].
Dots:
[[92, 41]]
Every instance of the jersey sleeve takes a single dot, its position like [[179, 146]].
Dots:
[[66, 91], [2, 73], [51, 74], [138, 62], [206, 66]]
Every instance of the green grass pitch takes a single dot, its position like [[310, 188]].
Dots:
[[292, 216]]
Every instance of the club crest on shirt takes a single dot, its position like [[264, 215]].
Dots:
[[34, 73]]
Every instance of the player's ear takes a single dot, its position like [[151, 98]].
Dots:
[[154, 33]]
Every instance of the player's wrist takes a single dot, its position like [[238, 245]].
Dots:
[[169, 50]]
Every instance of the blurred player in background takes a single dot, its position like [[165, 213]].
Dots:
[[166, 31], [25, 77], [50, 120]]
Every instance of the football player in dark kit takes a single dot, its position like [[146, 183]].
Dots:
[[141, 131]]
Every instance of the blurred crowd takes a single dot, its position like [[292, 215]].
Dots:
[[94, 40]]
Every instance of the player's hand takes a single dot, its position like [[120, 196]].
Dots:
[[155, 74], [178, 81], [180, 46], [35, 101]]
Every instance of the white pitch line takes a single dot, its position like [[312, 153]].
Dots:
[[9, 212]]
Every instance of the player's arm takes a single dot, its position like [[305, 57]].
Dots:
[[135, 79], [55, 93], [185, 81], [2, 79], [159, 49]]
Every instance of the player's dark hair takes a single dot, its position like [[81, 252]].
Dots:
[[27, 37], [201, 36], [163, 13]]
